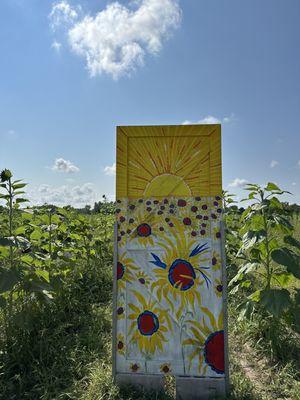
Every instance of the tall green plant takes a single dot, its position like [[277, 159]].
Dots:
[[268, 266], [23, 277]]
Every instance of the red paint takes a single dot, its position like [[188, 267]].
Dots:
[[214, 351]]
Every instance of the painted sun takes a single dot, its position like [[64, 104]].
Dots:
[[163, 165]]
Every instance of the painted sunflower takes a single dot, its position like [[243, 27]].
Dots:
[[216, 261], [181, 271], [207, 339], [141, 227], [125, 270], [149, 325], [218, 286], [121, 344]]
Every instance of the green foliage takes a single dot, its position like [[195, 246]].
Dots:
[[56, 286], [267, 268]]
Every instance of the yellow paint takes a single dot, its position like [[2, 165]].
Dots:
[[165, 185], [160, 161]]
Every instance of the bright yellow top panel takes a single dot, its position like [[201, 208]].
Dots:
[[161, 161]]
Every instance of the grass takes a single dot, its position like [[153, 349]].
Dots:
[[66, 355]]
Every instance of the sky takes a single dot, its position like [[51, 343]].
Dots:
[[72, 70]]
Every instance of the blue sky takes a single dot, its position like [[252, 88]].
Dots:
[[73, 70]]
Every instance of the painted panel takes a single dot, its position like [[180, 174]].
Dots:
[[169, 305]]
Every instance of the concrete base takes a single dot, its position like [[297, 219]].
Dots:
[[148, 382], [200, 388]]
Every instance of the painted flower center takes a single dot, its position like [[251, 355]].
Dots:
[[134, 367], [120, 345], [214, 351], [181, 274], [144, 230], [147, 323], [120, 270]]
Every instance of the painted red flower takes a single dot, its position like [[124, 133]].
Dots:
[[182, 274], [214, 351], [147, 323]]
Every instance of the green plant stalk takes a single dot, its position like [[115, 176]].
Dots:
[[267, 246], [50, 237], [8, 315], [10, 216]]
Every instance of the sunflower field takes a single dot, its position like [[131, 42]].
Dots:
[[56, 299]]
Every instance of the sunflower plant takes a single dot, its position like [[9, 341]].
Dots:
[[22, 274], [269, 270]]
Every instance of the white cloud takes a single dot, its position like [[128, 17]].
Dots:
[[110, 169], [294, 183], [62, 14], [76, 196], [64, 166], [210, 119], [116, 40], [298, 163], [56, 46], [238, 183], [273, 163]]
